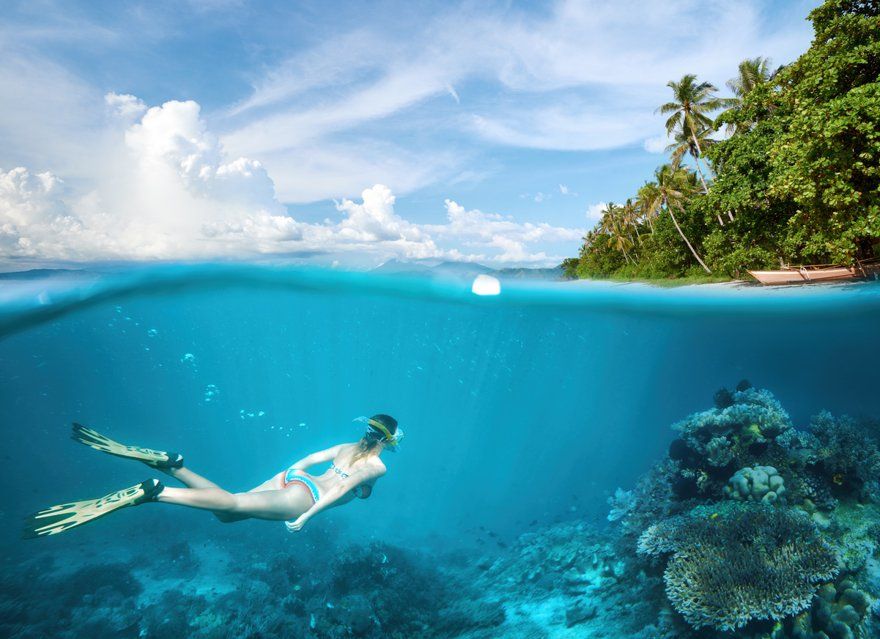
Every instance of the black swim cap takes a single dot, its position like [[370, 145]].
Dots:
[[387, 421]]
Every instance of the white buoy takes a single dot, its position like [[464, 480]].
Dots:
[[486, 285]]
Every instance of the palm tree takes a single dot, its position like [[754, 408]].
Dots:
[[671, 187], [688, 111], [631, 216], [751, 74], [649, 202], [690, 144], [613, 225]]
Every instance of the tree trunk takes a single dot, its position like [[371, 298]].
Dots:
[[700, 171], [699, 149], [680, 232]]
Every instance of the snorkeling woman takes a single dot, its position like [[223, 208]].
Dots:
[[293, 495]]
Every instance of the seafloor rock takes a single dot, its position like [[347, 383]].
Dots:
[[578, 613]]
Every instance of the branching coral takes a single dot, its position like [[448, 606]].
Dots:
[[844, 452], [621, 502], [742, 563]]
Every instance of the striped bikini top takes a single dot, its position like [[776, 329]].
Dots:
[[336, 469], [358, 490]]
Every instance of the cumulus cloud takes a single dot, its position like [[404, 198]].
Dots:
[[176, 193], [594, 213], [172, 193], [500, 238]]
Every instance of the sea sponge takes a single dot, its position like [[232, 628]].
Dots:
[[741, 563], [761, 483]]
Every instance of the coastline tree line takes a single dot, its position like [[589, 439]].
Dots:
[[787, 171]]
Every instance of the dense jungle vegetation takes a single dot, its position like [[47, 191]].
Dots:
[[786, 171]]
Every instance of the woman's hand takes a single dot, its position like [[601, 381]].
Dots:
[[297, 525]]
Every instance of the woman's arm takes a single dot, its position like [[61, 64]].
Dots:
[[333, 495], [317, 458]]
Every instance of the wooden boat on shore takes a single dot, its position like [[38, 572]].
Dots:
[[817, 273]]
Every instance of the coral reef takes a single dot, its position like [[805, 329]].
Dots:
[[760, 517], [761, 483], [750, 417], [837, 611], [740, 564]]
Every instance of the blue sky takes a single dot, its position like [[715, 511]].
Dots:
[[226, 129]]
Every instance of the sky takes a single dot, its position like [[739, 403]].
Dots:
[[345, 132]]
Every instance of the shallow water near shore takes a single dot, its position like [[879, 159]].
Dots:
[[523, 412]]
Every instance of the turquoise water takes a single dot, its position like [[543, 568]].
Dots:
[[520, 410]]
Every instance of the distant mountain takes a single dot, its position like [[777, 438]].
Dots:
[[552, 273], [394, 267], [465, 270], [40, 273]]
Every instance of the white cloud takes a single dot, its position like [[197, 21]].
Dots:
[[565, 190], [594, 213], [125, 106], [175, 193], [482, 232], [574, 87], [656, 144]]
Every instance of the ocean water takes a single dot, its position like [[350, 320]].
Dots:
[[522, 411]]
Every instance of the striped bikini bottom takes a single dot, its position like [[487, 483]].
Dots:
[[292, 476]]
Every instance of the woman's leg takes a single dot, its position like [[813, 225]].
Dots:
[[275, 505], [189, 478]]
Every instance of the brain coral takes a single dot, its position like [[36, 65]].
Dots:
[[761, 483], [747, 562]]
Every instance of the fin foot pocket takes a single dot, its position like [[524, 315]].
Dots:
[[57, 519], [154, 458]]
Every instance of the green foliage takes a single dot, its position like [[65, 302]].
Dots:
[[827, 159], [798, 181]]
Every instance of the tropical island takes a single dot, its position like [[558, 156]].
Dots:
[[786, 171]]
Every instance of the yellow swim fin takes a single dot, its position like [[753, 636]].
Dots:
[[56, 519], [155, 458]]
